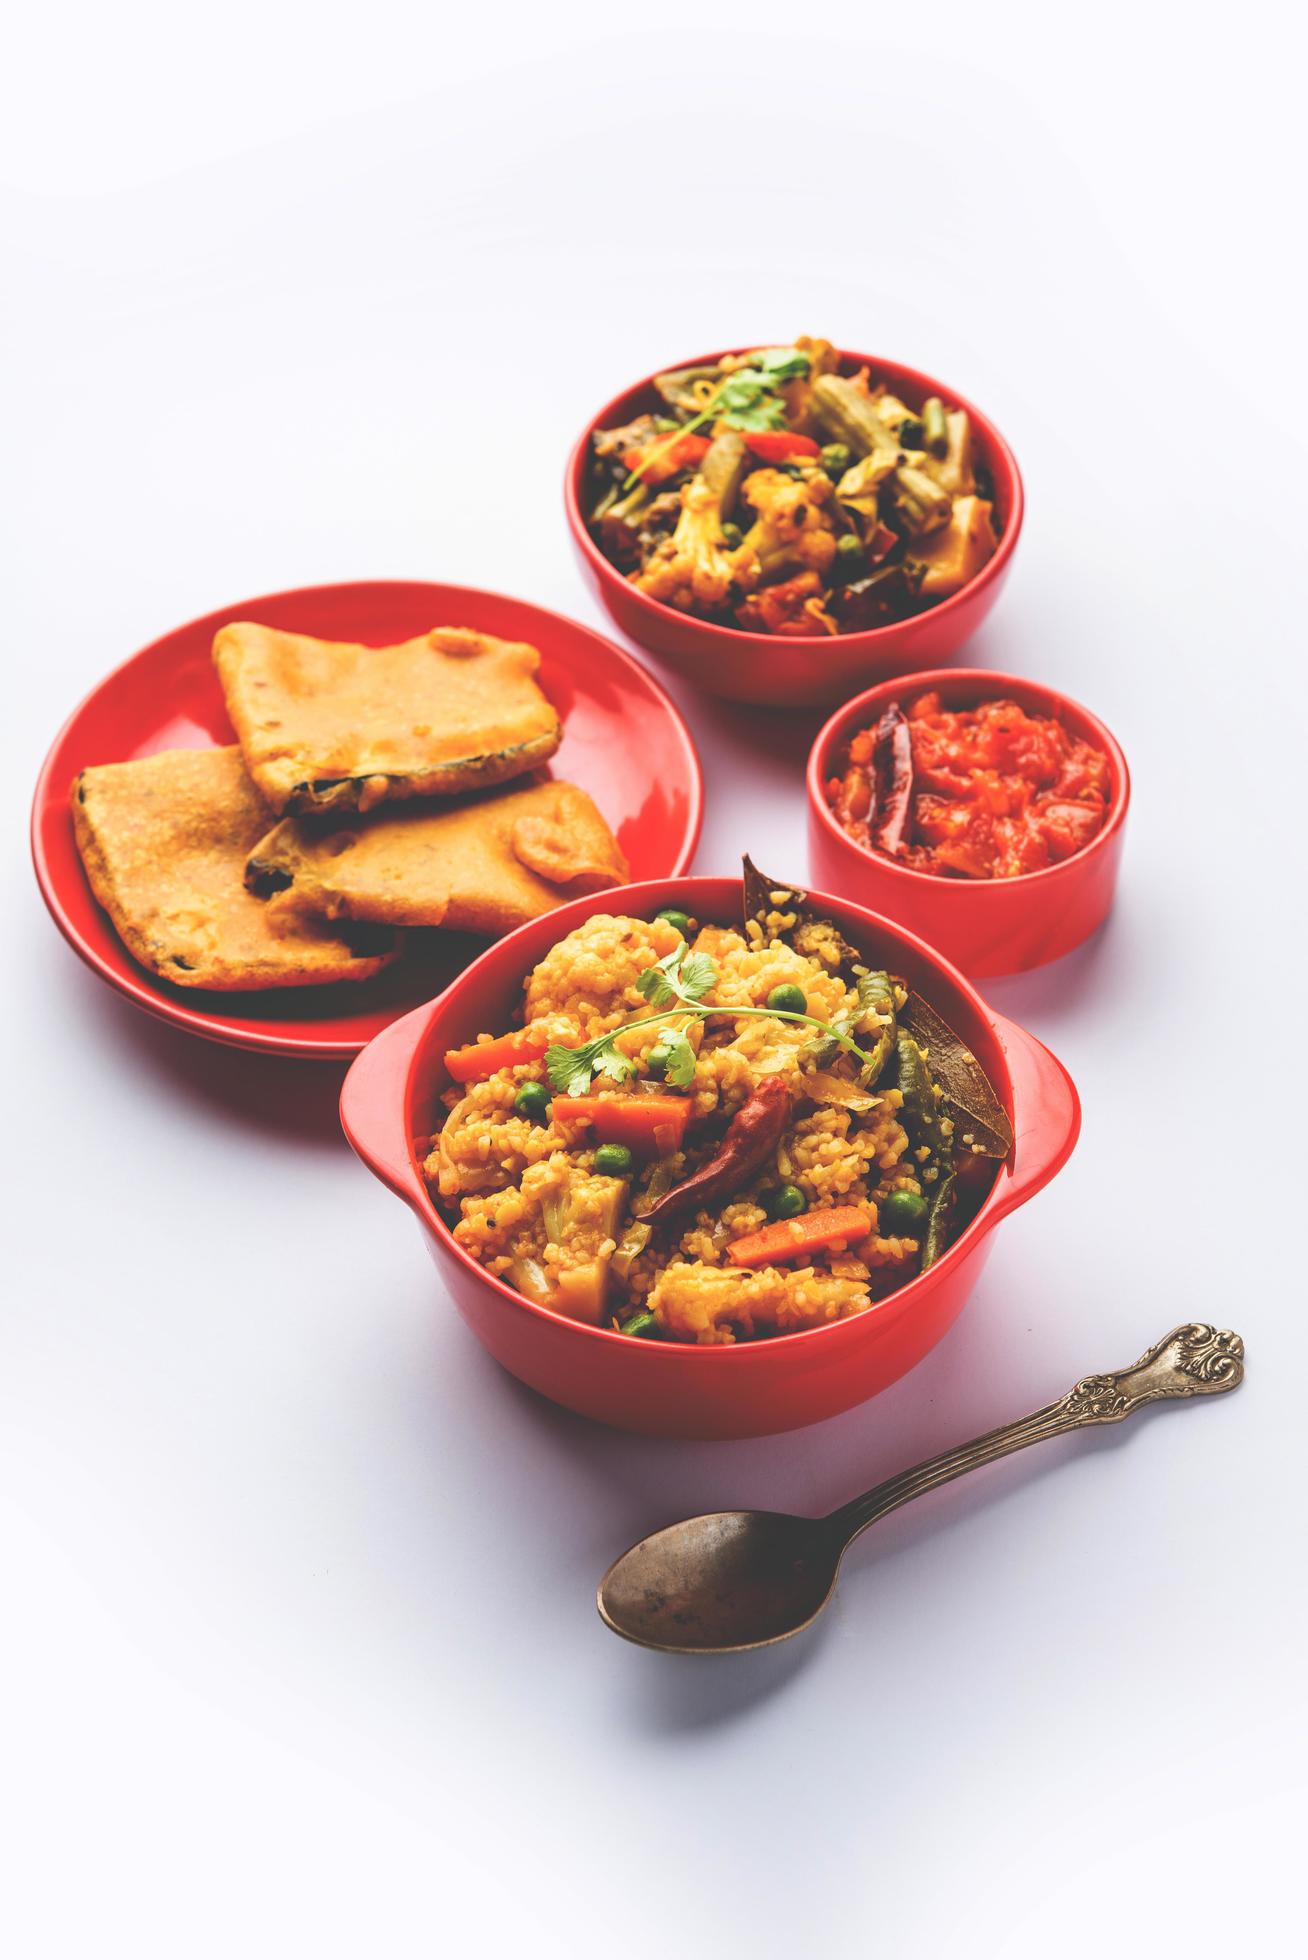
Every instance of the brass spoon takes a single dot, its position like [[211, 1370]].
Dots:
[[738, 1579]]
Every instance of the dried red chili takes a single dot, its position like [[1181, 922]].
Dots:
[[892, 760], [752, 1135]]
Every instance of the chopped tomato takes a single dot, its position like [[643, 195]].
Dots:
[[776, 445], [783, 608], [664, 456], [996, 792]]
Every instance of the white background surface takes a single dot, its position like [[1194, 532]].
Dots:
[[300, 1653]]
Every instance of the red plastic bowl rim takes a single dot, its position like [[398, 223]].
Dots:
[[989, 684], [883, 370], [891, 1308], [134, 986]]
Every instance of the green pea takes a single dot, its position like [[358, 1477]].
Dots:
[[642, 1325], [732, 536], [672, 917], [532, 1101], [613, 1160], [787, 1201], [656, 1058], [901, 1213], [788, 1000], [835, 458], [912, 433], [850, 562]]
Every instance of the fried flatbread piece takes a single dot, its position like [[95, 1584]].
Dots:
[[486, 865], [327, 725], [164, 841]]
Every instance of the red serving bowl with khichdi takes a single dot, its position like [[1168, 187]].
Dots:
[[988, 926], [390, 1106], [776, 670]]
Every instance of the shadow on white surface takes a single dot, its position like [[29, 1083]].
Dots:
[[292, 1102], [666, 1694]]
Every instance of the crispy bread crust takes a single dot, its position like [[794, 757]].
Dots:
[[334, 726], [486, 865], [164, 841]]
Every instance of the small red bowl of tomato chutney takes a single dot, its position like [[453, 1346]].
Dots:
[[983, 811]]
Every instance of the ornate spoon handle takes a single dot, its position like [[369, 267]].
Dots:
[[1193, 1360]]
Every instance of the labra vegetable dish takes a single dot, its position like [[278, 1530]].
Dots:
[[984, 792], [712, 1133], [773, 492]]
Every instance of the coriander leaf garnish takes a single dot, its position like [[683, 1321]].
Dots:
[[680, 975], [564, 1066], [676, 986], [654, 982], [678, 1060], [781, 364], [616, 1066], [746, 399], [697, 974]]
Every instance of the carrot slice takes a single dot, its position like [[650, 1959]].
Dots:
[[791, 1238], [483, 1058], [653, 1125]]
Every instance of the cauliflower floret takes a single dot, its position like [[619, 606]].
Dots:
[[792, 530], [694, 1302], [590, 977], [693, 569]]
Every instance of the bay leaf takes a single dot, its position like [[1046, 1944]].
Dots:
[[981, 1123], [812, 934]]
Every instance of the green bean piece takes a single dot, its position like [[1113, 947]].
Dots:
[[921, 503], [786, 1201], [724, 469], [937, 1226], [605, 502], [849, 417], [876, 994], [935, 426], [921, 1112], [642, 1326], [787, 999], [532, 1101], [613, 1160], [900, 1214]]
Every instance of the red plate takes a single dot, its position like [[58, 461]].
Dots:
[[623, 742]]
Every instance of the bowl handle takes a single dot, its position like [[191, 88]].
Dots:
[[1048, 1119], [373, 1098]]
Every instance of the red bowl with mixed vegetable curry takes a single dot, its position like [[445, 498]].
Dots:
[[778, 669], [959, 878], [391, 1104]]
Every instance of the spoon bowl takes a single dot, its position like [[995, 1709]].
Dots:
[[722, 1583], [732, 1580]]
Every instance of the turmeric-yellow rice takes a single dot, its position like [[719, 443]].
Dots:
[[541, 1200]]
